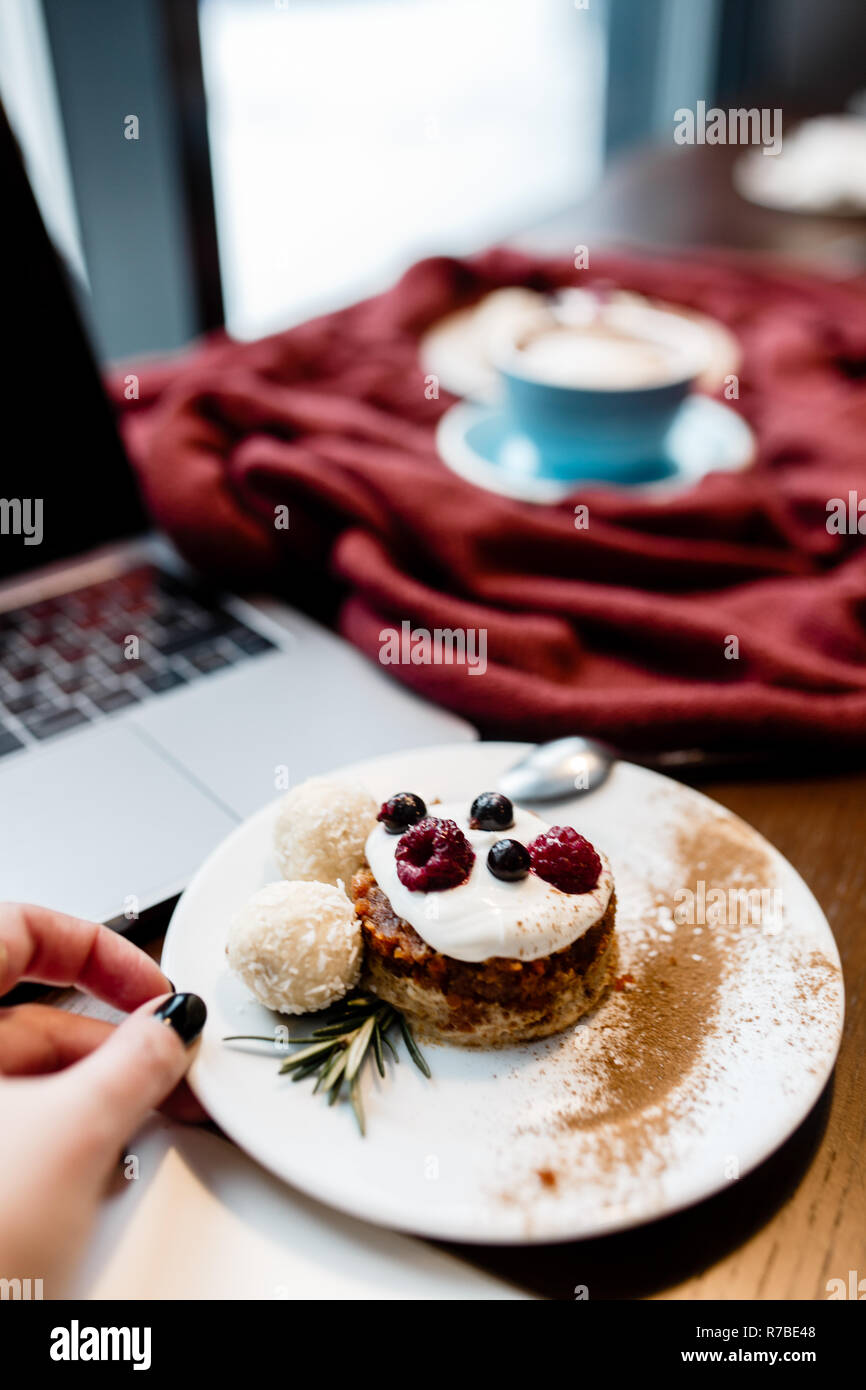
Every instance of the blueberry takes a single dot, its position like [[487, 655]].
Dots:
[[508, 860], [490, 811], [400, 811]]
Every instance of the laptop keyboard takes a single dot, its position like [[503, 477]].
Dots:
[[70, 661]]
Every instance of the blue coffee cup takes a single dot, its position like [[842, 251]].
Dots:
[[617, 432]]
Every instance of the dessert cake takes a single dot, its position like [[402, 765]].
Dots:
[[482, 923]]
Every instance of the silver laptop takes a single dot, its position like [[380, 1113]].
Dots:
[[142, 713]]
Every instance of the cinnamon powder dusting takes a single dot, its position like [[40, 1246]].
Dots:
[[707, 957]]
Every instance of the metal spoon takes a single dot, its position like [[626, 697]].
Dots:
[[559, 769], [553, 771]]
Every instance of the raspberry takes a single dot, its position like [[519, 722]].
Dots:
[[562, 857], [433, 855]]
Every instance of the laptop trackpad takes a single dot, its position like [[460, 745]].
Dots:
[[94, 822]]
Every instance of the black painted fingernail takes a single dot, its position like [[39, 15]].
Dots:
[[185, 1013]]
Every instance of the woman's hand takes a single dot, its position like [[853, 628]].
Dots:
[[73, 1089]]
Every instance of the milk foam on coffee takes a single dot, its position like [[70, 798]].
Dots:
[[597, 359]]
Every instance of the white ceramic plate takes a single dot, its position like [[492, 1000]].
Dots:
[[712, 1049]]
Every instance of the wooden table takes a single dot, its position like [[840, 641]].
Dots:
[[681, 197]]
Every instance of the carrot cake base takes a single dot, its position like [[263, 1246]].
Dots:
[[492, 1003]]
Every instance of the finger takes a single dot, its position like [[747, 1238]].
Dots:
[[38, 944], [110, 1092], [182, 1105], [36, 1040]]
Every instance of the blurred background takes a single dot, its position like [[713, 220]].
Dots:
[[293, 155]]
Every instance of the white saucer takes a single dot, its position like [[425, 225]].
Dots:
[[459, 349], [708, 1056], [476, 443]]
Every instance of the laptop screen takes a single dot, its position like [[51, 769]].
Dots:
[[66, 485]]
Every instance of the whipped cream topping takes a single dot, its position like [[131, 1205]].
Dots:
[[484, 916]]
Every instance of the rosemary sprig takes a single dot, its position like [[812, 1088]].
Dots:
[[412, 1047], [335, 1052]]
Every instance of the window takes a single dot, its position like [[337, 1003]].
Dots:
[[349, 137]]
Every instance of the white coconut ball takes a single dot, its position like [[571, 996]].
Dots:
[[322, 827], [296, 945]]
